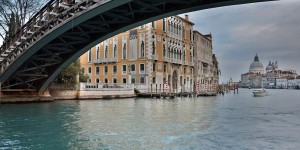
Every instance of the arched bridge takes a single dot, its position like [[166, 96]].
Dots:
[[65, 29]]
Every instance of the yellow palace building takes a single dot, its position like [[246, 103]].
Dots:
[[147, 56]]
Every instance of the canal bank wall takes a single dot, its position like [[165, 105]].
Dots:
[[92, 91], [24, 96]]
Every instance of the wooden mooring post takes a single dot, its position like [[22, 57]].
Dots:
[[159, 90], [151, 91]]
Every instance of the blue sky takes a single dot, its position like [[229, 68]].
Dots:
[[270, 29]]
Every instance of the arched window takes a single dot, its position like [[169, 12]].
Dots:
[[124, 51], [115, 51], [98, 53], [180, 54], [90, 56], [153, 48], [164, 50], [164, 24], [142, 49], [106, 52]]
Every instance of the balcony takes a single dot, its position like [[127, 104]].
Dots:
[[185, 63], [105, 60], [191, 63], [166, 59], [154, 57], [174, 61], [179, 61]]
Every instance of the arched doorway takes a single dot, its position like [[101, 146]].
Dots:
[[174, 81]]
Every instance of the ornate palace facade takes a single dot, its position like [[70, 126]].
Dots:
[[150, 55]]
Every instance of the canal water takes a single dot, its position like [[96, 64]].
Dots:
[[232, 121]]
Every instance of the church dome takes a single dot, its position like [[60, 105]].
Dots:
[[269, 67], [256, 66]]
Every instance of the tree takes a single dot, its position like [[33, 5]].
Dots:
[[69, 75], [15, 13]]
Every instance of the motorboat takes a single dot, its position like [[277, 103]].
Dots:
[[260, 92]]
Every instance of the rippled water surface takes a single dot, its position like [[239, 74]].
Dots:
[[232, 121]]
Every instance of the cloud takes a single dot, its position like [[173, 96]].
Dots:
[[271, 29]]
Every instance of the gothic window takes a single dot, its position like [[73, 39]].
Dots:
[[124, 51], [106, 52], [97, 70], [164, 50], [164, 25], [98, 53], [180, 54], [90, 56], [153, 48], [142, 49], [115, 51]]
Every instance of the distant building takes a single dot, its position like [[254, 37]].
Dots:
[[256, 66], [206, 65], [271, 78], [253, 78]]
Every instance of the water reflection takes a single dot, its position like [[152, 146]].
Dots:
[[182, 123]]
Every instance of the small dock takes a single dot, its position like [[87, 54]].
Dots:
[[207, 94], [164, 95]]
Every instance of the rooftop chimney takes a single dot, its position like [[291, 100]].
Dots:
[[186, 17]]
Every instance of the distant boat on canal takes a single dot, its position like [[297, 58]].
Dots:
[[260, 92]]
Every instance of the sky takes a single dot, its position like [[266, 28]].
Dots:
[[270, 29]]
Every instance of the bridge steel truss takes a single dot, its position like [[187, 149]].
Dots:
[[63, 31]]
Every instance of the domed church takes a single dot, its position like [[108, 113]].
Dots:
[[256, 66], [272, 66], [257, 76], [254, 77]]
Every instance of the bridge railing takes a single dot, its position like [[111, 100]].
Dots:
[[52, 14]]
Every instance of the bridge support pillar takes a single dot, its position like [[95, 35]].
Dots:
[[24, 96]]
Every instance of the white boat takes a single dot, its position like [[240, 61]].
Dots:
[[260, 92]]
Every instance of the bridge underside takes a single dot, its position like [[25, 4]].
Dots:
[[69, 38]]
